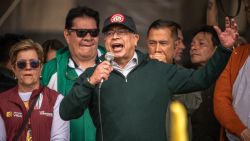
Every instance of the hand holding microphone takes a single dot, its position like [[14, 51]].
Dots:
[[103, 70]]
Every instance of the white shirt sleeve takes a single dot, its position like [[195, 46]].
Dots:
[[53, 82], [60, 130], [2, 130]]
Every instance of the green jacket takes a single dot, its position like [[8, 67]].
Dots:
[[134, 108], [82, 128]]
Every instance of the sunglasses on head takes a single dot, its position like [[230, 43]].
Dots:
[[84, 32], [22, 64]]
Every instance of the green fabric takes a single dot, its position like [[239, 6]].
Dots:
[[82, 128], [133, 108]]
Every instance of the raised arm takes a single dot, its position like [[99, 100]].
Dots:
[[204, 77]]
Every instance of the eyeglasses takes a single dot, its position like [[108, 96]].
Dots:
[[84, 32], [119, 32], [22, 64]]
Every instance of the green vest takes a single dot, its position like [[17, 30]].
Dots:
[[81, 129]]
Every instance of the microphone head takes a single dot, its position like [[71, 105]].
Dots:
[[109, 56]]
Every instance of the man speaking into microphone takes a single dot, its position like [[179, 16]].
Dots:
[[136, 90]]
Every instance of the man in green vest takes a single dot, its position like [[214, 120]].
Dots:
[[81, 34]]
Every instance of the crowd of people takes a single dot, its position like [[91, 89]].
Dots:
[[73, 92]]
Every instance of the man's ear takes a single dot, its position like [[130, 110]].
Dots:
[[66, 32], [137, 37], [66, 35]]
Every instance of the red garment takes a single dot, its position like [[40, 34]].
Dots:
[[223, 107], [13, 111]]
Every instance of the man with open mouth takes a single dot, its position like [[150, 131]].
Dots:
[[131, 103]]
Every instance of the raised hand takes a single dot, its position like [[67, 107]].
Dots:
[[230, 35]]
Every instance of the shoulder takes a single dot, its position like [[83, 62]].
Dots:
[[61, 54], [239, 55], [243, 49], [48, 70], [51, 67], [7, 94], [52, 63], [50, 94], [10, 91]]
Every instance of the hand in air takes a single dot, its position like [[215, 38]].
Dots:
[[228, 37]]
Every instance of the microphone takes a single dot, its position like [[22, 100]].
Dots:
[[109, 56]]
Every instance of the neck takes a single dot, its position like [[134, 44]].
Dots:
[[27, 88], [198, 66], [122, 63], [84, 63]]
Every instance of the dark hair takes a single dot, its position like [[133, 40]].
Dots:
[[6, 42], [210, 30], [81, 11], [160, 23], [53, 44]]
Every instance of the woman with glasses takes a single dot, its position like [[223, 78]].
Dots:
[[30, 111]]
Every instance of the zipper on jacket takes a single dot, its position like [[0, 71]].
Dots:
[[137, 66], [125, 78]]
